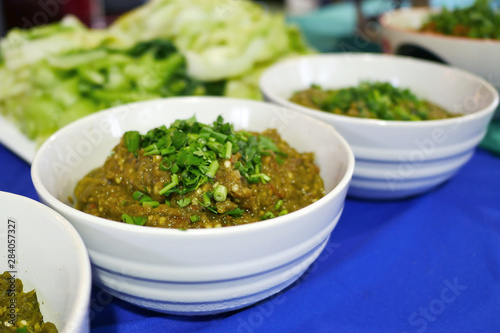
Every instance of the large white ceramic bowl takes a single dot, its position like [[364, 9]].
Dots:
[[394, 159], [400, 35], [50, 257], [195, 271]]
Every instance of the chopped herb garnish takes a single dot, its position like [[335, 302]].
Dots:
[[212, 169], [278, 205], [190, 152], [138, 220], [375, 100], [169, 187], [132, 140], [207, 206], [183, 202], [478, 20], [237, 212], [151, 203], [144, 199], [267, 215], [195, 218], [206, 198], [283, 212]]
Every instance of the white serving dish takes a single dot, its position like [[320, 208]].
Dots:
[[394, 159], [195, 272], [50, 257], [479, 56]]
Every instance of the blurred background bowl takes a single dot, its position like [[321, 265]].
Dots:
[[400, 36], [50, 258], [394, 159], [195, 271]]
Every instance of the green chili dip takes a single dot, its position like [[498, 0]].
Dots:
[[19, 310], [479, 20], [375, 100], [193, 175]]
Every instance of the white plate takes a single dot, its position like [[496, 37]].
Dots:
[[17, 142]]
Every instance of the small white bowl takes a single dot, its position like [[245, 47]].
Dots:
[[50, 257], [479, 56], [196, 271], [394, 159]]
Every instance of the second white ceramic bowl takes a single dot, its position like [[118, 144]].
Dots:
[[394, 159], [44, 250], [195, 271]]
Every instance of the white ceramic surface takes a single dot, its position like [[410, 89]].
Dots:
[[50, 258], [479, 56], [394, 159], [195, 271], [17, 142]]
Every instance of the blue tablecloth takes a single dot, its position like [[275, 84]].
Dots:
[[426, 264]]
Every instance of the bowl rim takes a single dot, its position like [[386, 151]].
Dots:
[[67, 210], [82, 300], [385, 23], [370, 57]]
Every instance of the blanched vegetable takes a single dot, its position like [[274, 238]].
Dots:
[[21, 48], [221, 39], [61, 88], [55, 74]]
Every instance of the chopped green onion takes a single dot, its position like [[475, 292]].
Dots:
[[264, 178], [138, 220], [206, 199], [283, 212], [212, 169], [168, 151], [132, 140], [237, 212], [174, 169], [152, 203], [165, 164], [266, 216], [229, 150], [137, 195], [151, 150], [191, 152], [174, 183], [220, 193], [278, 205], [195, 218]]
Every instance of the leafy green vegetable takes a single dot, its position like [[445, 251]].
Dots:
[[55, 74], [221, 39], [478, 20], [67, 86], [21, 48]]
